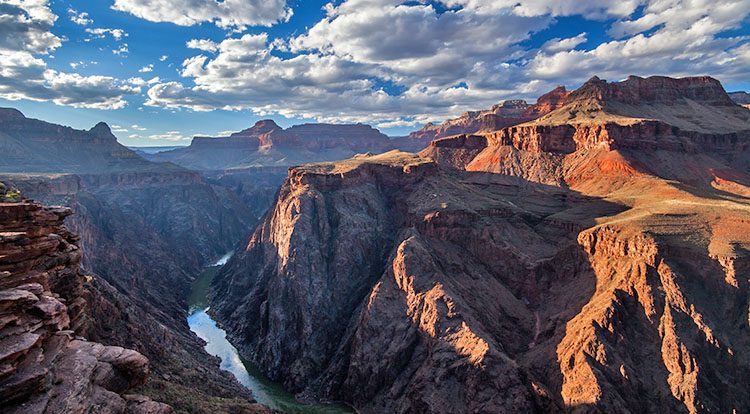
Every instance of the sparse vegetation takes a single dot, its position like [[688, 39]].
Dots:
[[11, 195]]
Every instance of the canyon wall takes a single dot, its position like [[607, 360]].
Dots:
[[503, 115], [146, 231], [592, 260]]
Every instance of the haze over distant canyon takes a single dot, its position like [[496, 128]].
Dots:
[[433, 207]]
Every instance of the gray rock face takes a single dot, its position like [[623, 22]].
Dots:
[[31, 145], [267, 145], [742, 98]]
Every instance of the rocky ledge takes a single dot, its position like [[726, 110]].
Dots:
[[46, 366]]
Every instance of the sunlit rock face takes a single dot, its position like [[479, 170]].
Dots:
[[591, 260], [500, 116]]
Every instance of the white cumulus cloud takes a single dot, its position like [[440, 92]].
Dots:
[[24, 73], [79, 18], [236, 14], [202, 44], [101, 33]]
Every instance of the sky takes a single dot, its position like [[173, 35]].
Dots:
[[162, 71]]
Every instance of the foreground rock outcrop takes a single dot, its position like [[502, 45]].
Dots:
[[593, 260], [45, 365]]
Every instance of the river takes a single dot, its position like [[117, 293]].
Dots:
[[264, 390]]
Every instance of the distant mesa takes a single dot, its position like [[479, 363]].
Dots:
[[742, 98], [504, 114], [102, 130], [10, 114], [261, 127], [267, 144], [31, 145], [656, 113]]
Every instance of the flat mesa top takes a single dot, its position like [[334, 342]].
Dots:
[[393, 158]]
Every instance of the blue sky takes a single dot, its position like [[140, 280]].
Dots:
[[161, 71]]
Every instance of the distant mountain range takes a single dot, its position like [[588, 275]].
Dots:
[[267, 144], [31, 145], [153, 150], [742, 98]]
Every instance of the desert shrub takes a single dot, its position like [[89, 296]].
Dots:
[[9, 194]]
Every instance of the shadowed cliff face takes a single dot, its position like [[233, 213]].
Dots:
[[146, 238], [597, 264], [31, 145]]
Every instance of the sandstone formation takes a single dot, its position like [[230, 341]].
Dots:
[[267, 144], [592, 260], [45, 366], [500, 116]]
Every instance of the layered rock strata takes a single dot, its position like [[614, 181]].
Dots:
[[505, 114], [146, 230], [267, 145], [372, 281], [46, 366]]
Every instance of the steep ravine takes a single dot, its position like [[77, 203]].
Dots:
[[264, 391], [592, 260], [46, 365]]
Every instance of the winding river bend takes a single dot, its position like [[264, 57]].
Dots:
[[264, 390]]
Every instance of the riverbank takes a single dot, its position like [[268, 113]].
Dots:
[[265, 391]]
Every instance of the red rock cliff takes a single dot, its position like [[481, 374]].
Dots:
[[499, 116]]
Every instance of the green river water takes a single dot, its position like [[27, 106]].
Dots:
[[265, 391]]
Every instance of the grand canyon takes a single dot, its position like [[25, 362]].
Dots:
[[383, 222]]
